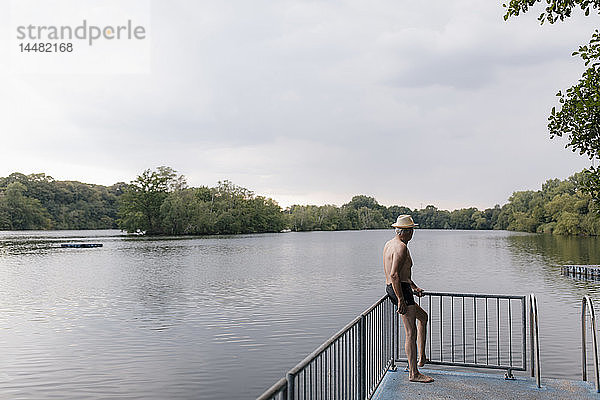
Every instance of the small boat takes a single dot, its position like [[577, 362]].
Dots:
[[81, 245]]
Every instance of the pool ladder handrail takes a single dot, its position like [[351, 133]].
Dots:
[[534, 339], [590, 306]]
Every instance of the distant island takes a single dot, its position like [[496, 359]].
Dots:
[[159, 202]]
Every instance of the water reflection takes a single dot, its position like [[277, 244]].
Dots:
[[546, 254], [557, 250]]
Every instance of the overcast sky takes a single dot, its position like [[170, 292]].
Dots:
[[413, 103]]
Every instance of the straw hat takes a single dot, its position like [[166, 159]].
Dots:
[[404, 221]]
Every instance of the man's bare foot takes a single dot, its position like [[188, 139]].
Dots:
[[419, 377], [423, 361]]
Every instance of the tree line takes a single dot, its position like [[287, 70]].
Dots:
[[159, 202], [560, 207], [37, 201]]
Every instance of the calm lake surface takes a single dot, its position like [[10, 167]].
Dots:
[[226, 317]]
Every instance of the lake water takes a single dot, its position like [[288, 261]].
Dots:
[[226, 317]]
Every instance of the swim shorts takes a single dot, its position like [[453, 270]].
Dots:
[[407, 293]]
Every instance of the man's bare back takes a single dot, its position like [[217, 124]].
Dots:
[[394, 250]]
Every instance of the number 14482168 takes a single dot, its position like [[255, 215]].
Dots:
[[46, 47]]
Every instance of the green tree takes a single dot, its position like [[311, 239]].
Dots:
[[140, 205], [554, 11], [394, 211], [369, 218], [491, 215], [568, 223], [432, 218], [18, 211], [225, 209], [462, 219], [367, 213], [479, 221], [303, 218], [560, 207], [360, 201], [578, 117], [70, 204], [177, 213]]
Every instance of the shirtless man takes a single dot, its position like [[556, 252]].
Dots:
[[399, 285]]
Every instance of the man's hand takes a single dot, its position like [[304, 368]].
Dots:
[[419, 292], [401, 307]]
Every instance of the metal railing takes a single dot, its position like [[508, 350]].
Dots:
[[276, 392], [475, 331], [535, 340], [590, 306], [340, 367], [588, 272], [468, 330]]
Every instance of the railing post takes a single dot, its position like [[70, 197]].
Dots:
[[524, 330], [394, 335], [531, 339], [290, 386], [535, 339], [595, 343], [588, 302], [538, 366], [362, 358], [583, 349]]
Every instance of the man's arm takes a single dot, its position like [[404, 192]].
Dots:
[[398, 259], [416, 289]]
